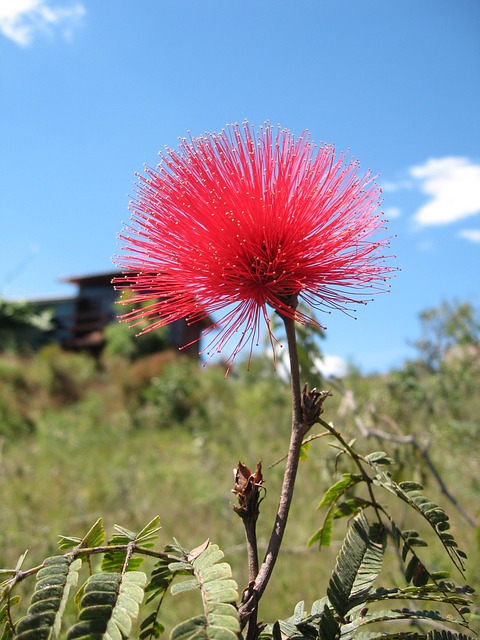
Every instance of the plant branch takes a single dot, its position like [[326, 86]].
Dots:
[[298, 431], [248, 487], [304, 442], [130, 548], [357, 460], [407, 439]]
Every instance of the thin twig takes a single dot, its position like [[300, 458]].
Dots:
[[357, 459], [130, 548], [304, 442], [408, 439]]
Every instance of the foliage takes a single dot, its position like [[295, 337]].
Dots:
[[109, 601], [170, 399], [449, 331], [15, 391], [19, 320], [98, 449], [64, 376], [121, 340]]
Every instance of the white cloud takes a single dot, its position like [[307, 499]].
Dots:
[[453, 185], [396, 186], [392, 212], [22, 20], [426, 245], [470, 234], [331, 365], [327, 365]]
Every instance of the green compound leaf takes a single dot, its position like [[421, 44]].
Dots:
[[411, 493], [447, 635], [114, 560], [94, 538], [444, 592], [109, 605], [218, 590], [148, 535], [322, 623], [339, 488], [358, 565], [324, 535], [350, 631], [199, 628], [52, 589], [412, 635], [6, 628], [328, 628], [330, 498], [193, 629], [379, 457], [160, 580]]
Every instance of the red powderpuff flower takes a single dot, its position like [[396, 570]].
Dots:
[[246, 221]]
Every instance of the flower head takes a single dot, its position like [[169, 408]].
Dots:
[[245, 221]]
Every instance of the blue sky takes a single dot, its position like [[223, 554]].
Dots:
[[92, 90]]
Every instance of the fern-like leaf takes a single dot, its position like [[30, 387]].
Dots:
[[114, 560], [109, 605], [6, 625], [412, 635], [358, 564], [434, 634], [411, 493], [160, 580], [54, 582], [218, 590], [338, 489], [328, 628], [350, 631], [330, 498], [322, 624], [148, 535], [443, 592], [93, 538], [323, 536]]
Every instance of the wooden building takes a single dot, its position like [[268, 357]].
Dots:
[[80, 321]]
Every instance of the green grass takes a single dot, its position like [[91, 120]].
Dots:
[[97, 443]]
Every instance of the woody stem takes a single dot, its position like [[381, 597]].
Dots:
[[251, 535], [286, 495]]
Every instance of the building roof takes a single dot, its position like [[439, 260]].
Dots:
[[92, 278]]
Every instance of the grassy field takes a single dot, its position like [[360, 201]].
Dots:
[[82, 440]]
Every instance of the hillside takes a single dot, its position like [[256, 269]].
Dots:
[[127, 440]]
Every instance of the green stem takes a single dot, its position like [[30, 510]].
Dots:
[[357, 460]]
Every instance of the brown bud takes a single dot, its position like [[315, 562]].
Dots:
[[312, 402], [247, 489]]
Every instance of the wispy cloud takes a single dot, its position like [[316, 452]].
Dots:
[[392, 212], [22, 20], [470, 234], [425, 245], [331, 365], [396, 186], [453, 187]]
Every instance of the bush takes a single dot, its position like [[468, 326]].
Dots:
[[16, 415], [65, 376], [171, 397]]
